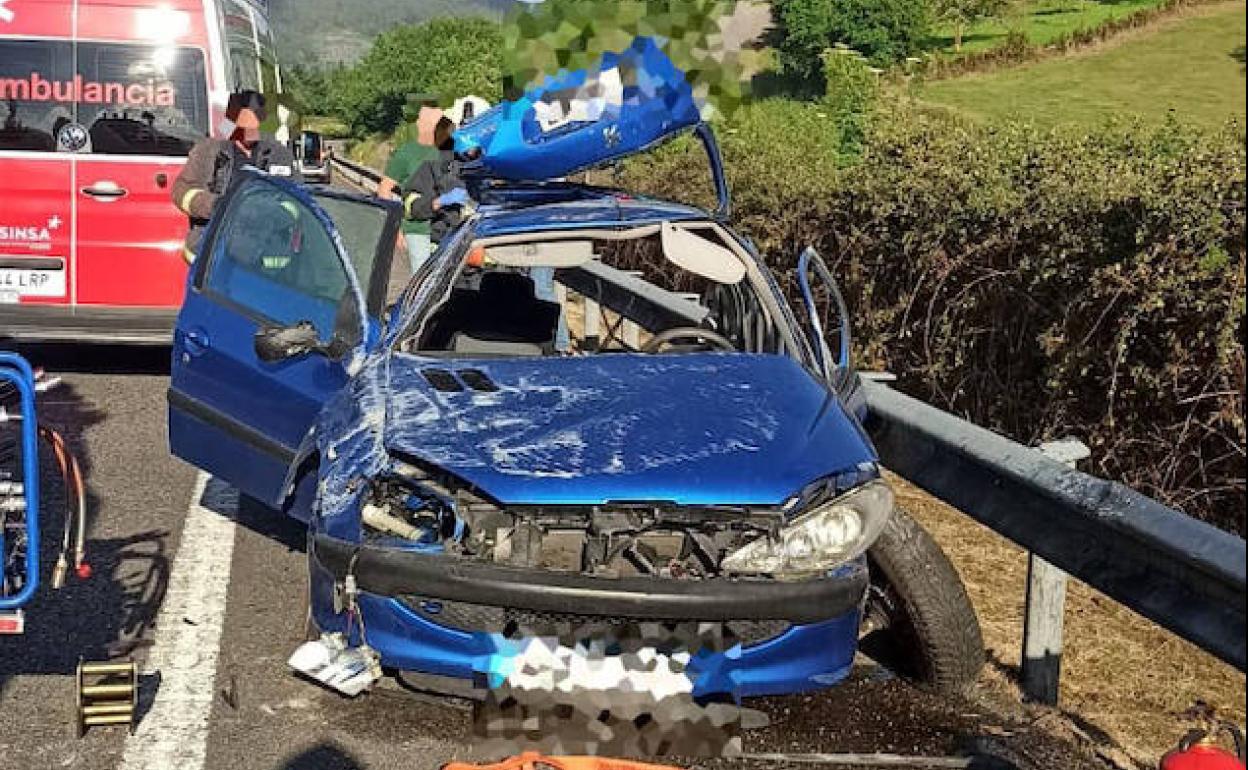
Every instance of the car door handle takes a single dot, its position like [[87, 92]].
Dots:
[[105, 190], [196, 341]]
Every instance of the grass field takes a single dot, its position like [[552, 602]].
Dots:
[[1192, 64], [1042, 21]]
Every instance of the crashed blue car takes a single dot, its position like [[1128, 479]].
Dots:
[[589, 409]]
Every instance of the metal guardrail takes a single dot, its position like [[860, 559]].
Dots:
[[1184, 574], [362, 177]]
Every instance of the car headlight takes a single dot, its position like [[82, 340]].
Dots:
[[829, 535]]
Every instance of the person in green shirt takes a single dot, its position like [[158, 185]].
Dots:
[[403, 163]]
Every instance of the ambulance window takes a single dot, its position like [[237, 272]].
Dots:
[[268, 68], [246, 71], [36, 93], [272, 82], [240, 40], [142, 100]]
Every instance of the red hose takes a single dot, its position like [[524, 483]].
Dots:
[[75, 508]]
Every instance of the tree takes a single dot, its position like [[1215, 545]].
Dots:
[[445, 58], [317, 33], [884, 31], [962, 13], [307, 89]]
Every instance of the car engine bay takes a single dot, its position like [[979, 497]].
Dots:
[[618, 540]]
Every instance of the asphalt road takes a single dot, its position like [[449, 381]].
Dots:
[[250, 712]]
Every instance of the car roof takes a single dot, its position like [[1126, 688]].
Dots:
[[526, 208], [534, 208]]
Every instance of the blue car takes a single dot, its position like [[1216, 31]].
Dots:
[[589, 411]]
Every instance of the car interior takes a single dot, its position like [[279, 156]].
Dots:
[[495, 312], [658, 289]]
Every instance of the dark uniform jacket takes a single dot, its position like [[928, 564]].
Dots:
[[207, 174], [432, 179]]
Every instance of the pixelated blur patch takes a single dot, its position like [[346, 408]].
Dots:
[[621, 689], [709, 40]]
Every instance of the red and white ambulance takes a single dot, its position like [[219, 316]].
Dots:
[[100, 103]]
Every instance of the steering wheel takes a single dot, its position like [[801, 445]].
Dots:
[[716, 340]]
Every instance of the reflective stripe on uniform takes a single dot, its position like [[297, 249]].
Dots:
[[188, 255], [188, 198], [274, 263]]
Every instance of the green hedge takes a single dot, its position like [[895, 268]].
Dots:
[[1041, 283], [883, 30]]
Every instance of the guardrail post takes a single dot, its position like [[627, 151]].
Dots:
[[630, 333], [632, 336], [1046, 605], [592, 317]]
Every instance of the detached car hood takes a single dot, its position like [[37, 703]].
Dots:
[[624, 103], [704, 429]]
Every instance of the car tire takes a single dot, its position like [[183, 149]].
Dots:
[[919, 621]]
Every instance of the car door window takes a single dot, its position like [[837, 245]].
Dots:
[[360, 225], [273, 259]]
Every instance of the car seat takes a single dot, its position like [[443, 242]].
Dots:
[[502, 317]]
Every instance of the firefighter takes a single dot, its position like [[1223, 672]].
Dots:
[[434, 193], [212, 163]]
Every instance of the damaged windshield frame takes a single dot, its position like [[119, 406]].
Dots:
[[422, 300]]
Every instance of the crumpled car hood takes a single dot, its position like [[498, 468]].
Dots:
[[702, 429]]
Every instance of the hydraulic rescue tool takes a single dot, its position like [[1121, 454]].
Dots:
[[20, 433]]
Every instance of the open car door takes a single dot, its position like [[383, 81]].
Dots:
[[288, 289]]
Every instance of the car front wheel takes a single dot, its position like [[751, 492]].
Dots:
[[918, 620]]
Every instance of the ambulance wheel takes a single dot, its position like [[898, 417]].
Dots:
[[919, 621]]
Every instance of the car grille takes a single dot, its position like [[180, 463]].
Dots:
[[515, 623]]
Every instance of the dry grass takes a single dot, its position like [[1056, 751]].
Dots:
[[1122, 675]]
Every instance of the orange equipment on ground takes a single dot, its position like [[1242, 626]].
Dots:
[[532, 760]]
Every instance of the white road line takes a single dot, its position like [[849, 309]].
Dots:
[[174, 733]]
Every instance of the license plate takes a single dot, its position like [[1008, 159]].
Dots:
[[16, 283]]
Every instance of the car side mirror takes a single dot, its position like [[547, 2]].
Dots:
[[280, 343]]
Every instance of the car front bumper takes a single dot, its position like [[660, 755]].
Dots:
[[814, 648]]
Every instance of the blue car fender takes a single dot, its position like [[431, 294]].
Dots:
[[302, 468]]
